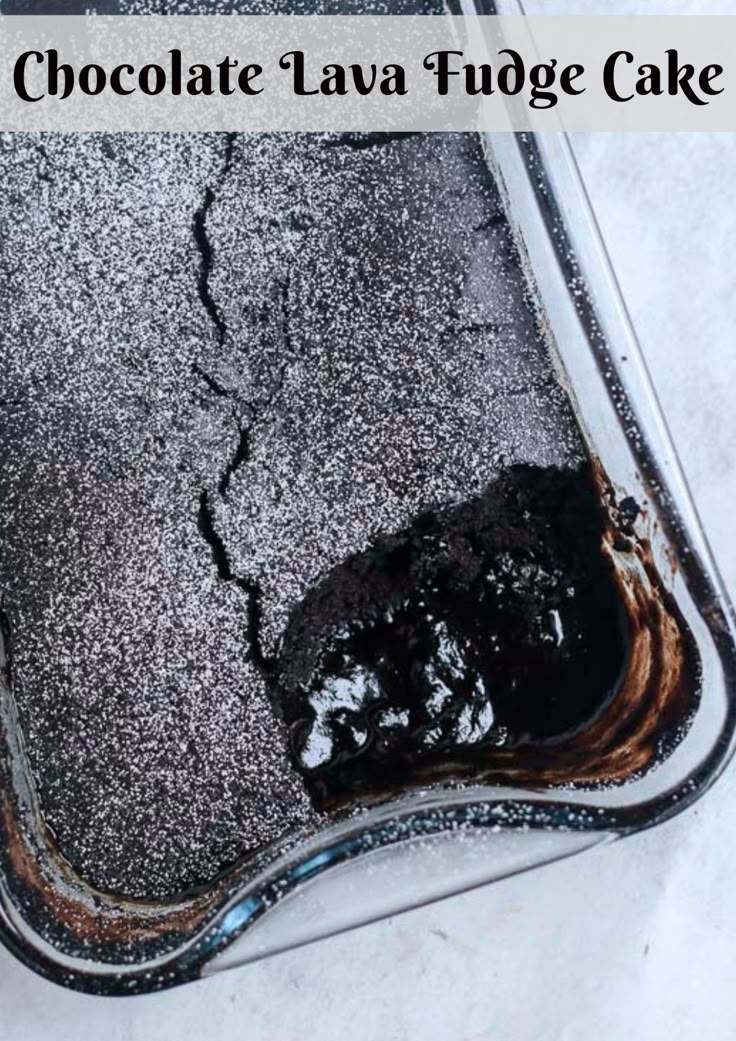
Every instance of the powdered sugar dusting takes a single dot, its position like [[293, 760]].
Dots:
[[227, 364]]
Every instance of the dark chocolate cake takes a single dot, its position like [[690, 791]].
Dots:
[[229, 365], [293, 508]]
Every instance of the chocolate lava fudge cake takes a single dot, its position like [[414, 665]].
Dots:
[[293, 510]]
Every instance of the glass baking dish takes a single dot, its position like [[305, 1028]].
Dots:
[[438, 841]]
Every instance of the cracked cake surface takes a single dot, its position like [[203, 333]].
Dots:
[[229, 363]]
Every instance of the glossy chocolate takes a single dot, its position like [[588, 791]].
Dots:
[[492, 624]]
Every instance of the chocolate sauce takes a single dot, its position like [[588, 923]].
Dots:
[[495, 623]]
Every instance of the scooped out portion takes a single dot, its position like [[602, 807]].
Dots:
[[487, 625]]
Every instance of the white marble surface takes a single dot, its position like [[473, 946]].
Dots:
[[632, 941]]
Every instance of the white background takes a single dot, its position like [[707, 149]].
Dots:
[[633, 942]]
